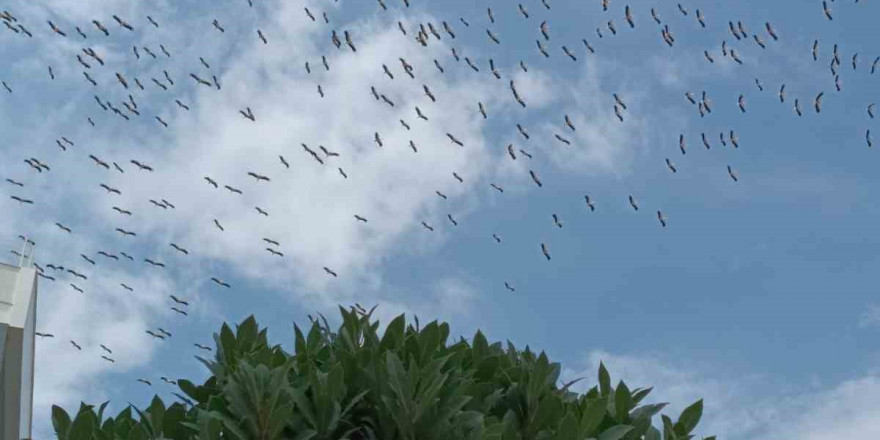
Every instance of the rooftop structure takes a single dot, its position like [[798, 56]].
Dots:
[[18, 312]]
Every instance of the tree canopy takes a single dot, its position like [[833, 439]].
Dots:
[[409, 383]]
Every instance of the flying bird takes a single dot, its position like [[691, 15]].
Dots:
[[661, 218], [330, 272], [590, 203], [733, 175], [632, 202], [535, 178], [545, 251], [220, 282]]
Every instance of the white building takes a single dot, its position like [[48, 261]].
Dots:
[[18, 313]]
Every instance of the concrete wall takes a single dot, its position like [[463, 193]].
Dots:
[[18, 288]]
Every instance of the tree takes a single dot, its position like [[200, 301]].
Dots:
[[407, 384]]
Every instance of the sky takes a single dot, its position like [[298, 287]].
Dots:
[[758, 294]]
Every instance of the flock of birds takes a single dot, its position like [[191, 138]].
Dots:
[[95, 71]]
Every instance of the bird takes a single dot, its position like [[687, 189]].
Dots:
[[742, 103], [56, 30], [211, 181], [76, 288], [330, 272], [342, 172], [161, 330], [106, 349], [451, 219], [454, 140], [420, 114], [220, 282], [202, 347], [123, 23], [141, 166], [125, 233], [535, 179], [175, 309], [496, 237], [427, 226], [258, 177], [562, 139], [509, 287], [63, 228], [632, 24], [671, 165], [482, 110], [248, 114], [782, 93], [497, 188], [661, 218], [827, 10], [153, 22], [147, 382], [870, 112], [22, 200], [154, 263], [231, 189], [18, 184], [75, 345], [733, 139], [126, 287], [167, 380], [427, 93], [771, 31], [817, 102], [327, 152], [441, 195], [556, 221], [272, 242], [261, 211], [217, 224], [155, 335], [360, 218], [108, 255], [545, 251], [87, 259], [44, 335], [262, 37], [590, 203], [632, 202]]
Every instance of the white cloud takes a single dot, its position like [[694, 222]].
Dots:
[[739, 406]]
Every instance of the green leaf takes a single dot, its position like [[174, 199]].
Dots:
[[640, 395], [689, 418], [101, 411], [604, 380], [592, 416], [137, 433], [393, 333], [61, 422], [568, 429], [83, 426], [647, 411], [622, 402], [652, 434], [615, 432]]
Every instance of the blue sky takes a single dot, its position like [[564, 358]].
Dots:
[[757, 296]]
